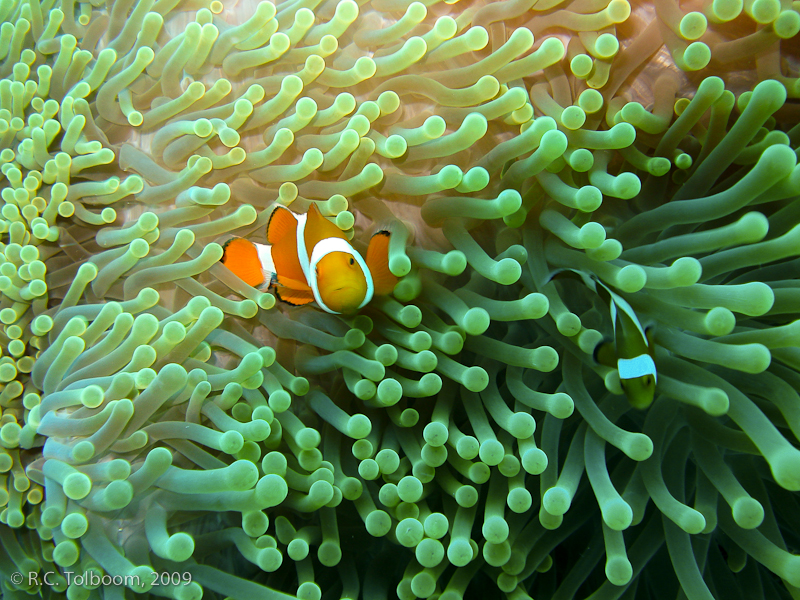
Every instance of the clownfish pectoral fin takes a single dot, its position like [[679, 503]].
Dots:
[[282, 223], [378, 263], [294, 297], [241, 257], [606, 354]]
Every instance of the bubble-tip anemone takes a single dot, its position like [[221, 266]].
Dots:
[[159, 415]]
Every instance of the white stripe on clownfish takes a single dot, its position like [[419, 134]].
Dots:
[[264, 252], [631, 368]]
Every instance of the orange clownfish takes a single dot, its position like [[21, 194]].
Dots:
[[308, 259]]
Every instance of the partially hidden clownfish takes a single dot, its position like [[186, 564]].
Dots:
[[631, 352], [309, 259]]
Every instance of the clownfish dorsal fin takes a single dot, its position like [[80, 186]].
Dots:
[[378, 263], [606, 354], [241, 257], [319, 228], [294, 297], [313, 213], [282, 224]]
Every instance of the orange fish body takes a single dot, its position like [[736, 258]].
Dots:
[[309, 259]]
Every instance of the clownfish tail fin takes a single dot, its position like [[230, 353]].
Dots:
[[378, 263], [241, 257]]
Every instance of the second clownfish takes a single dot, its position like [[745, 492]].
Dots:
[[631, 352], [309, 259]]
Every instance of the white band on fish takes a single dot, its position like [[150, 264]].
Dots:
[[264, 252], [631, 368]]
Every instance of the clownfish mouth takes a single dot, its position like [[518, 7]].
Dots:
[[345, 299]]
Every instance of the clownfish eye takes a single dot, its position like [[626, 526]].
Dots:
[[648, 380], [352, 260]]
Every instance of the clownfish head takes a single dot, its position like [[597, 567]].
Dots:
[[640, 391], [341, 282]]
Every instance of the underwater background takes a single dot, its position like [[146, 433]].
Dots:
[[458, 439]]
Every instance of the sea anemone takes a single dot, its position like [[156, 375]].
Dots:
[[167, 429]]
